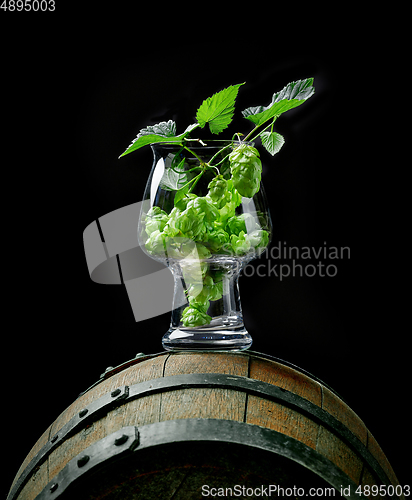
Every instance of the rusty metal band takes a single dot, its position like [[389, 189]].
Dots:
[[124, 394], [130, 441]]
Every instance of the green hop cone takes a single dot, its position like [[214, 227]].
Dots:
[[218, 190], [190, 223], [205, 210], [182, 204], [246, 169], [171, 229], [240, 244], [206, 291], [181, 248], [244, 222], [193, 266], [156, 220], [217, 240], [216, 289], [156, 244], [259, 238], [195, 315], [199, 294], [232, 200]]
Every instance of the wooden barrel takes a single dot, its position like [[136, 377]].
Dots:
[[197, 424]]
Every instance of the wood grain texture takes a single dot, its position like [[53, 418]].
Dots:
[[277, 416], [204, 403], [340, 410], [332, 447], [281, 419], [287, 378]]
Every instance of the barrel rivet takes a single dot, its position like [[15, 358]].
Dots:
[[108, 369], [83, 461], [83, 413], [121, 440], [53, 487], [116, 392]]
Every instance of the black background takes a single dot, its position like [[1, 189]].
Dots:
[[77, 87]]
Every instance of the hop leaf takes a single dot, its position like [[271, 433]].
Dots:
[[162, 132], [272, 141], [294, 94], [218, 110], [164, 129]]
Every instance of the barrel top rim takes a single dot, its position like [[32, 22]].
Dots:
[[143, 357]]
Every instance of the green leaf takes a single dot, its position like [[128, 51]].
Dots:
[[181, 193], [218, 110], [272, 141], [162, 132], [291, 96], [166, 129], [174, 179]]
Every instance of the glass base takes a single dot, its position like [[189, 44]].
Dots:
[[212, 339]]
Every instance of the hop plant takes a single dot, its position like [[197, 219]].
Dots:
[[198, 226], [246, 169]]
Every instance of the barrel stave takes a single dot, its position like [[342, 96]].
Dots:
[[276, 416], [286, 378], [204, 402], [340, 410]]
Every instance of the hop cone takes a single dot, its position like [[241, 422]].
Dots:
[[217, 188], [246, 169]]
